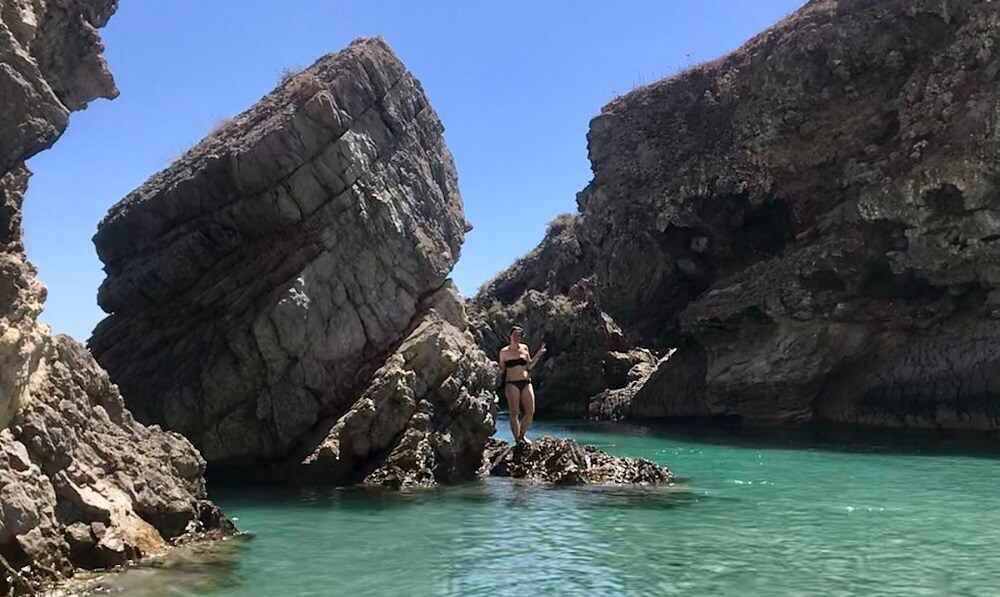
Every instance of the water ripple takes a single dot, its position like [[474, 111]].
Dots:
[[746, 520]]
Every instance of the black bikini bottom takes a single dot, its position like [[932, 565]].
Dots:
[[520, 384]]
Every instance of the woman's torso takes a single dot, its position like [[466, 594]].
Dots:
[[515, 362]]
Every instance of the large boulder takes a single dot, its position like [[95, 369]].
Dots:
[[262, 288], [811, 220], [81, 483]]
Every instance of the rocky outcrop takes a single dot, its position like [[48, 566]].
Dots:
[[615, 402], [549, 294], [50, 65], [81, 483], [271, 293], [811, 220], [423, 419], [565, 462]]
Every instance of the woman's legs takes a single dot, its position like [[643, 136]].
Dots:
[[528, 403], [513, 401]]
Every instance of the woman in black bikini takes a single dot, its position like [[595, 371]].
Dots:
[[517, 363]]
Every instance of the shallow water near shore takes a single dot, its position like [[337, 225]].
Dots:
[[790, 513]]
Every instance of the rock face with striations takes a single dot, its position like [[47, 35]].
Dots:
[[279, 294], [812, 221], [81, 483]]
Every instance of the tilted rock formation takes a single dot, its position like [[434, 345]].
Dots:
[[271, 292], [565, 462], [812, 221], [81, 483]]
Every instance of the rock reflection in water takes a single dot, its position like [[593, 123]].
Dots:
[[190, 570]]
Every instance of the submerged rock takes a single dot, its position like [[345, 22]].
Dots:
[[271, 293], [810, 220], [565, 462], [82, 484]]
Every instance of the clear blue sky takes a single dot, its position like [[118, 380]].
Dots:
[[515, 83]]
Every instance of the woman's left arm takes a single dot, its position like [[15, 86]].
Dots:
[[538, 355]]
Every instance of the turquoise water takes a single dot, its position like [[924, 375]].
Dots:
[[752, 516]]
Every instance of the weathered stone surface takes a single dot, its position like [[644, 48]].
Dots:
[[50, 64], [811, 220], [270, 293], [615, 402], [565, 462], [548, 293], [21, 298], [424, 418], [81, 483]]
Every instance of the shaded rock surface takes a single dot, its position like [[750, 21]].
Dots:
[[81, 483], [550, 295], [615, 402], [270, 293], [565, 462], [811, 221]]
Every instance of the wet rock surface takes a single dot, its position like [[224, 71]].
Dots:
[[565, 462]]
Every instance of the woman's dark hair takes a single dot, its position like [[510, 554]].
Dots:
[[516, 328]]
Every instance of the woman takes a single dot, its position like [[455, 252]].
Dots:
[[517, 362]]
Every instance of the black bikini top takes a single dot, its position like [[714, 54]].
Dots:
[[519, 362]]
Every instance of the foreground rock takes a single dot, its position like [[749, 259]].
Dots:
[[565, 462], [814, 218], [81, 483], [51, 65], [271, 292]]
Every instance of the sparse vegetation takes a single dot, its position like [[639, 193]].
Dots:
[[560, 305], [299, 84], [304, 86], [560, 223], [220, 125], [287, 74], [519, 308]]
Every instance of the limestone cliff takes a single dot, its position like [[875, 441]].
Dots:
[[81, 483], [278, 294], [811, 221]]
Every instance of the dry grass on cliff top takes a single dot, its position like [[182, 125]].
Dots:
[[721, 67]]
